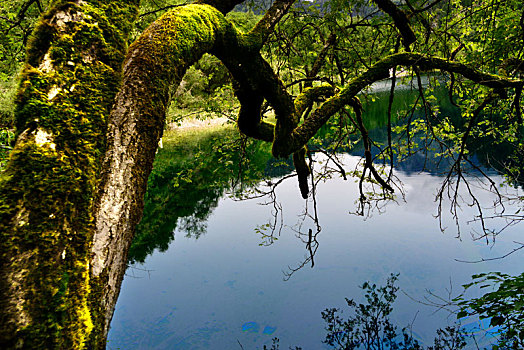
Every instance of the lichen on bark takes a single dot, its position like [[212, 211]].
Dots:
[[48, 190], [73, 191]]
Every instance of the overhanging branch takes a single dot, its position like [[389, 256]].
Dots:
[[380, 70], [400, 19], [265, 26]]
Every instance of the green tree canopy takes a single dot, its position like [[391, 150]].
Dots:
[[90, 110]]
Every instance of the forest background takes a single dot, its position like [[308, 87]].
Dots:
[[329, 43]]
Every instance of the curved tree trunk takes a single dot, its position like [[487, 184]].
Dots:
[[156, 61], [73, 191]]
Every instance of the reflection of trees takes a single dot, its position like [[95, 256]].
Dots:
[[466, 162], [186, 184], [465, 174], [203, 177], [187, 208], [402, 108]]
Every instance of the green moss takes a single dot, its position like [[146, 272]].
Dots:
[[47, 192], [39, 42], [309, 95]]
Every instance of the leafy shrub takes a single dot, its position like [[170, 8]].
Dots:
[[504, 306], [370, 328]]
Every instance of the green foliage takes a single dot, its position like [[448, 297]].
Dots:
[[504, 306], [205, 91], [190, 174], [243, 21], [7, 106], [17, 20], [370, 328], [6, 140], [488, 35]]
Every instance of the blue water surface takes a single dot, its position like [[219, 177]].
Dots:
[[227, 290]]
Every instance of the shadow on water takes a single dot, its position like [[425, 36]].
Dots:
[[195, 171]]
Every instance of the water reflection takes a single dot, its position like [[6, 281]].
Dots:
[[228, 287], [185, 187], [207, 177], [201, 294]]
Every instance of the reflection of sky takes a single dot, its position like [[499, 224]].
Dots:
[[225, 289]]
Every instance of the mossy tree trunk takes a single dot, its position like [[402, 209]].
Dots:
[[156, 61], [73, 191], [48, 192]]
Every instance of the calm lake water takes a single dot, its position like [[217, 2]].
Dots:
[[225, 288]]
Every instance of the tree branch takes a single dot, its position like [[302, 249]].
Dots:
[[310, 95], [379, 71], [265, 26], [399, 18]]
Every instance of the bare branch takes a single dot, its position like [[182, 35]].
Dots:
[[521, 246]]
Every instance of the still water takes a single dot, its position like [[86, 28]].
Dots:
[[228, 289]]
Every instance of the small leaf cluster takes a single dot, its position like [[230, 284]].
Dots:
[[504, 306]]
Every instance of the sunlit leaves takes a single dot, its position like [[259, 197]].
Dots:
[[503, 306], [17, 20]]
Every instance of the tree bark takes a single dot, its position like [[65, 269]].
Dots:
[[72, 193], [48, 191], [156, 61]]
